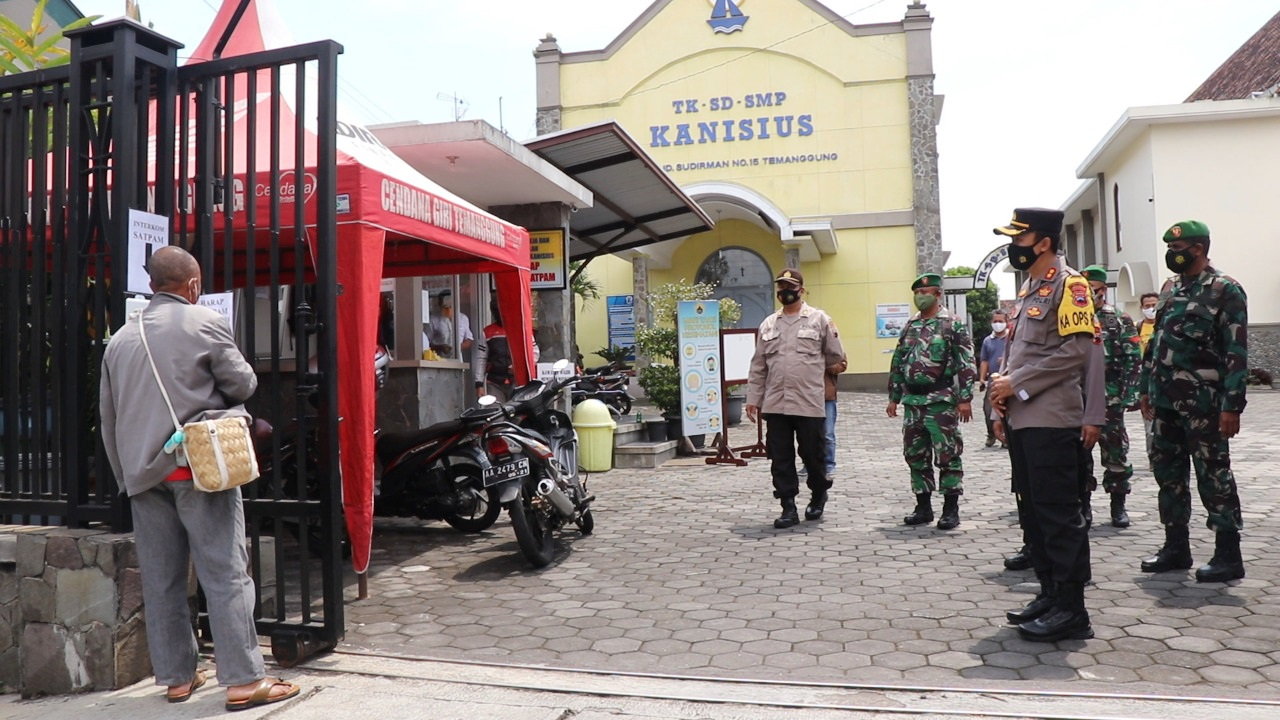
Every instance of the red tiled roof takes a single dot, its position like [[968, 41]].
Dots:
[[1252, 68]]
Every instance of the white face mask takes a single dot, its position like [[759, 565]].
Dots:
[[998, 327], [1149, 313]]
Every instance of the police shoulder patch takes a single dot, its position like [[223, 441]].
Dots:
[[1075, 312]]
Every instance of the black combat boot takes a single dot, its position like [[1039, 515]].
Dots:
[[817, 503], [1068, 620], [789, 516], [950, 512], [923, 512], [1041, 604], [1226, 564], [1119, 516], [1176, 553], [1086, 510], [1020, 560]]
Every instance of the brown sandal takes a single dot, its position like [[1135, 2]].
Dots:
[[262, 694], [197, 681]]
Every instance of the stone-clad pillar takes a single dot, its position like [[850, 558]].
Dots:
[[923, 110], [547, 61], [640, 285]]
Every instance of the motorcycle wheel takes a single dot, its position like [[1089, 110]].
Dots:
[[586, 523], [624, 405], [487, 508], [533, 532]]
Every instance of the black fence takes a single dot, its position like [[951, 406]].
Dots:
[[239, 155]]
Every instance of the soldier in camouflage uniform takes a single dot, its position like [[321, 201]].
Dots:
[[1123, 369], [934, 352], [1193, 390]]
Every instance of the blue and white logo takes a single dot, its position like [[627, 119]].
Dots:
[[727, 16]]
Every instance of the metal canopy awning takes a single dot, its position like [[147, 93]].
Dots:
[[636, 204]]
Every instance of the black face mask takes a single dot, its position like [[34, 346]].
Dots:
[[1179, 261], [1022, 258], [787, 297]]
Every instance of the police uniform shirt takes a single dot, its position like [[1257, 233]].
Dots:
[[1053, 335], [793, 353]]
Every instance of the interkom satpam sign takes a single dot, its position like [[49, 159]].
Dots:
[[698, 327], [550, 260]]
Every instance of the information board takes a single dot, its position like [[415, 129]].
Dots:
[[739, 349], [698, 328], [622, 322], [549, 262]]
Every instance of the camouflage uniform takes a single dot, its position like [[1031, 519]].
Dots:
[[1195, 367], [1124, 368], [932, 354]]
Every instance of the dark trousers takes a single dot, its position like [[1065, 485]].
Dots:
[[782, 434], [1046, 473]]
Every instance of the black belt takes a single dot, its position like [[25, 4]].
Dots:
[[926, 388]]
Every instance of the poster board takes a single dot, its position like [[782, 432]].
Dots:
[[550, 262], [739, 349], [698, 325]]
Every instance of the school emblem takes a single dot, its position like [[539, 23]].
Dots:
[[727, 17]]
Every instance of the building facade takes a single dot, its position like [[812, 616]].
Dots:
[[810, 141], [1214, 158]]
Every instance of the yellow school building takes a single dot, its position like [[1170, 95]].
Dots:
[[809, 140]]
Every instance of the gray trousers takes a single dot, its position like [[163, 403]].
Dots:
[[174, 521]]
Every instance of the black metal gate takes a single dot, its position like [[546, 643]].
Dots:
[[239, 154]]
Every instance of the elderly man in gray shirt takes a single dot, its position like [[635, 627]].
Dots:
[[206, 377], [786, 384]]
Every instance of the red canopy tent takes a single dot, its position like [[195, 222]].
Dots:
[[393, 222]]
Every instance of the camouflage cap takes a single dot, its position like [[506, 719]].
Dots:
[[1095, 273], [1187, 230], [927, 280]]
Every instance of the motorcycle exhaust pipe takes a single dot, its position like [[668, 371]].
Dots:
[[547, 488]]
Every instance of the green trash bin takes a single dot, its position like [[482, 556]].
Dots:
[[595, 428]]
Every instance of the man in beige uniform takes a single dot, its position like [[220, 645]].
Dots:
[[1040, 397], [795, 347]]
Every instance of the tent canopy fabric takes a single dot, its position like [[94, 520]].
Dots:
[[392, 222]]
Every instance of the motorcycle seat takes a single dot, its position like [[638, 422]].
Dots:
[[391, 445]]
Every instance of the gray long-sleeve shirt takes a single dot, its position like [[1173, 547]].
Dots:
[[203, 370]]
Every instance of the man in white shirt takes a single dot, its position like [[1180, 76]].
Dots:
[[439, 333]]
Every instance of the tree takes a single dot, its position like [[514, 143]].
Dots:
[[25, 49], [979, 303]]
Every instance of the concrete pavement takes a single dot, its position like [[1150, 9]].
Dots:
[[685, 577]]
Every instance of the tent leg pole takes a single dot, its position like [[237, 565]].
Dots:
[[362, 586]]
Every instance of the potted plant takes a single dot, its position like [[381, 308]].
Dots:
[[616, 355], [661, 378], [735, 397]]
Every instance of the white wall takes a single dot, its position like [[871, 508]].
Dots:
[[1225, 174], [1132, 172]]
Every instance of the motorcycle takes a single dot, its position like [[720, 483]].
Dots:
[[608, 384], [532, 452]]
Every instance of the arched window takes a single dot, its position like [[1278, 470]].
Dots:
[[743, 275], [1115, 210]]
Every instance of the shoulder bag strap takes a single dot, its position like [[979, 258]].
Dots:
[[177, 426]]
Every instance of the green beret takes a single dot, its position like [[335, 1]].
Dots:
[[1187, 230], [1095, 273], [927, 280]]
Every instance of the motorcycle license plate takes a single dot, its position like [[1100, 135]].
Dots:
[[507, 471]]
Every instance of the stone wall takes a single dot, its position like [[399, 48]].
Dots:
[[70, 611], [926, 202], [1264, 348]]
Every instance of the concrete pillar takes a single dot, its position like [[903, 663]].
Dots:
[[923, 108], [552, 308], [547, 62]]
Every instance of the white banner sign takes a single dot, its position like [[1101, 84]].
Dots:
[[147, 233], [223, 302]]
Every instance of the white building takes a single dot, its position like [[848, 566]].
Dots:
[[1214, 158]]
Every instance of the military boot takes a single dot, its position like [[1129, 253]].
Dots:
[[1176, 553], [1226, 563], [923, 512], [817, 503], [1020, 560], [1041, 604], [1119, 516], [1068, 620], [950, 512], [789, 516]]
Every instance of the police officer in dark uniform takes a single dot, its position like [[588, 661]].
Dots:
[[1040, 400]]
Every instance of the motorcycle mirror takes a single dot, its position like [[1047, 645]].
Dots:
[[561, 364], [487, 400]]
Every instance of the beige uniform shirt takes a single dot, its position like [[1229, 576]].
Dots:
[[792, 355], [1052, 340]]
